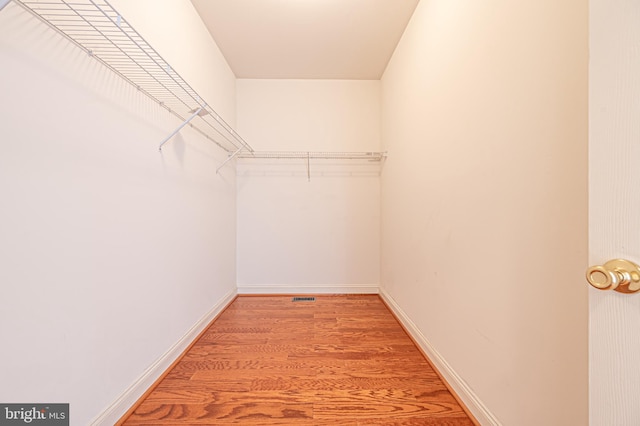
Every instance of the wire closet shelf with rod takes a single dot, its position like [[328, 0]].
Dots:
[[103, 33]]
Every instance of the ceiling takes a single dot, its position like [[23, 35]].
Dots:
[[306, 39]]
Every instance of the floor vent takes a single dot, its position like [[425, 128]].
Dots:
[[303, 299]]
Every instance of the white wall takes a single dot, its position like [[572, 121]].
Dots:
[[110, 251], [614, 229], [484, 200], [321, 235]]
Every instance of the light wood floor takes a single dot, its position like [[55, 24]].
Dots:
[[341, 360]]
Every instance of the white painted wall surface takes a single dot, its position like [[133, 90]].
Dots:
[[301, 236], [109, 251], [484, 200], [614, 211]]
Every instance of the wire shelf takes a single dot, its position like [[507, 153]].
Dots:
[[307, 155], [97, 28]]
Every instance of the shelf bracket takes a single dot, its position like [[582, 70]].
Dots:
[[196, 113], [229, 159]]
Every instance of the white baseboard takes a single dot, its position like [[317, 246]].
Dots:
[[309, 289], [121, 405], [457, 384]]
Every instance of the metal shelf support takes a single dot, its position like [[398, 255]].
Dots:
[[195, 114], [228, 159]]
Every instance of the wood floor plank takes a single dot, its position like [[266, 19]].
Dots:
[[390, 403], [341, 360], [228, 411]]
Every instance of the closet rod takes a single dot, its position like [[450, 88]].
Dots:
[[377, 157], [97, 28], [310, 155]]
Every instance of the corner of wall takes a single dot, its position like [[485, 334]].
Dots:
[[126, 402], [461, 389]]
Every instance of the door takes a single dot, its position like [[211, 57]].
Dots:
[[614, 208]]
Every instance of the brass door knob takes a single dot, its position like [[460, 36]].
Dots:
[[618, 274]]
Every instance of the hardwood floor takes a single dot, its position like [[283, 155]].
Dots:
[[341, 360]]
